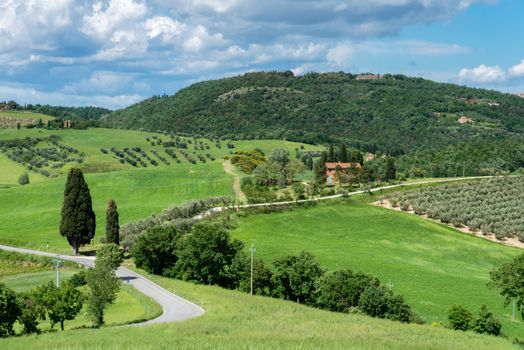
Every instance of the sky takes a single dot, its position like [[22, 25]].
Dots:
[[113, 53]]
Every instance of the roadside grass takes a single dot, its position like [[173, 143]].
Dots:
[[235, 320], [432, 265], [130, 306]]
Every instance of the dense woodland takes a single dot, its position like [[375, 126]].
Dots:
[[394, 114]]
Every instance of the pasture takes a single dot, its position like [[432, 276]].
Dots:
[[235, 320], [432, 265]]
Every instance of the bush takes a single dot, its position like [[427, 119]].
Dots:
[[9, 310], [156, 250], [486, 323], [78, 279], [379, 301], [23, 179], [460, 318], [341, 290]]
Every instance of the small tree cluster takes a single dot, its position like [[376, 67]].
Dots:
[[460, 318]]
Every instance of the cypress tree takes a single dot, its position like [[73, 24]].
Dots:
[[343, 154], [331, 154], [78, 219], [112, 226], [390, 169]]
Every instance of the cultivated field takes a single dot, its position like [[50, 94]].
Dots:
[[432, 265], [10, 119], [491, 206], [30, 214]]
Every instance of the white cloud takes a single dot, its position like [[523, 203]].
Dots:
[[482, 74], [340, 55], [25, 95], [101, 82], [29, 24], [104, 20], [200, 38], [164, 27], [517, 70]]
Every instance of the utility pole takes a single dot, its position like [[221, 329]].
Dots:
[[57, 261], [252, 250]]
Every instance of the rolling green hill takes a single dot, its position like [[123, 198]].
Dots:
[[395, 114], [431, 265], [235, 320]]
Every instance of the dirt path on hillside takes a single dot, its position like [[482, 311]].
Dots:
[[512, 242], [239, 195]]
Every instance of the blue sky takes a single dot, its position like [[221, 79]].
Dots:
[[113, 53]]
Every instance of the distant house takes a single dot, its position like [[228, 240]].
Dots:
[[331, 169], [368, 76], [369, 156], [521, 94], [68, 124], [496, 104], [465, 120]]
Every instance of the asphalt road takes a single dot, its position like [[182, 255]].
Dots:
[[175, 308]]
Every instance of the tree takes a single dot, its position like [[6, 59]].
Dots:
[[9, 310], [32, 312], [78, 218], [295, 276], [341, 290], [241, 267], [206, 254], [102, 282], [509, 280], [486, 323], [331, 154], [18, 125], [112, 226], [343, 153], [319, 169], [23, 179], [60, 304], [156, 250], [280, 156], [460, 318], [391, 171]]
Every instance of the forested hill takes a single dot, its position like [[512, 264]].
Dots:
[[394, 113]]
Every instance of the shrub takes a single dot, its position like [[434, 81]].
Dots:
[[23, 179], [486, 323], [9, 310], [460, 318]]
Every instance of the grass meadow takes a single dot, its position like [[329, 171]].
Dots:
[[235, 320], [25, 115], [432, 265], [30, 214]]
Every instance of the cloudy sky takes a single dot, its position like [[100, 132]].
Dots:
[[113, 53]]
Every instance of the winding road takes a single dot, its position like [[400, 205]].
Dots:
[[174, 307]]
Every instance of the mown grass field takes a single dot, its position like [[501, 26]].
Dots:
[[30, 214], [432, 265], [235, 320]]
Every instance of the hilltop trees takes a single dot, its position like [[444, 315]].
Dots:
[[78, 218], [112, 226]]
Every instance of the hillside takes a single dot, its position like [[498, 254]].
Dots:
[[395, 114], [235, 320], [11, 119]]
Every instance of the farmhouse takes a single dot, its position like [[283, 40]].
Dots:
[[331, 169], [368, 76]]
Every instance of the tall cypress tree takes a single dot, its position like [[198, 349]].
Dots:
[[391, 171], [78, 218], [331, 154], [343, 154], [112, 226]]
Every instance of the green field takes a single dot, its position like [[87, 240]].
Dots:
[[30, 214], [432, 265], [234, 320], [25, 115]]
